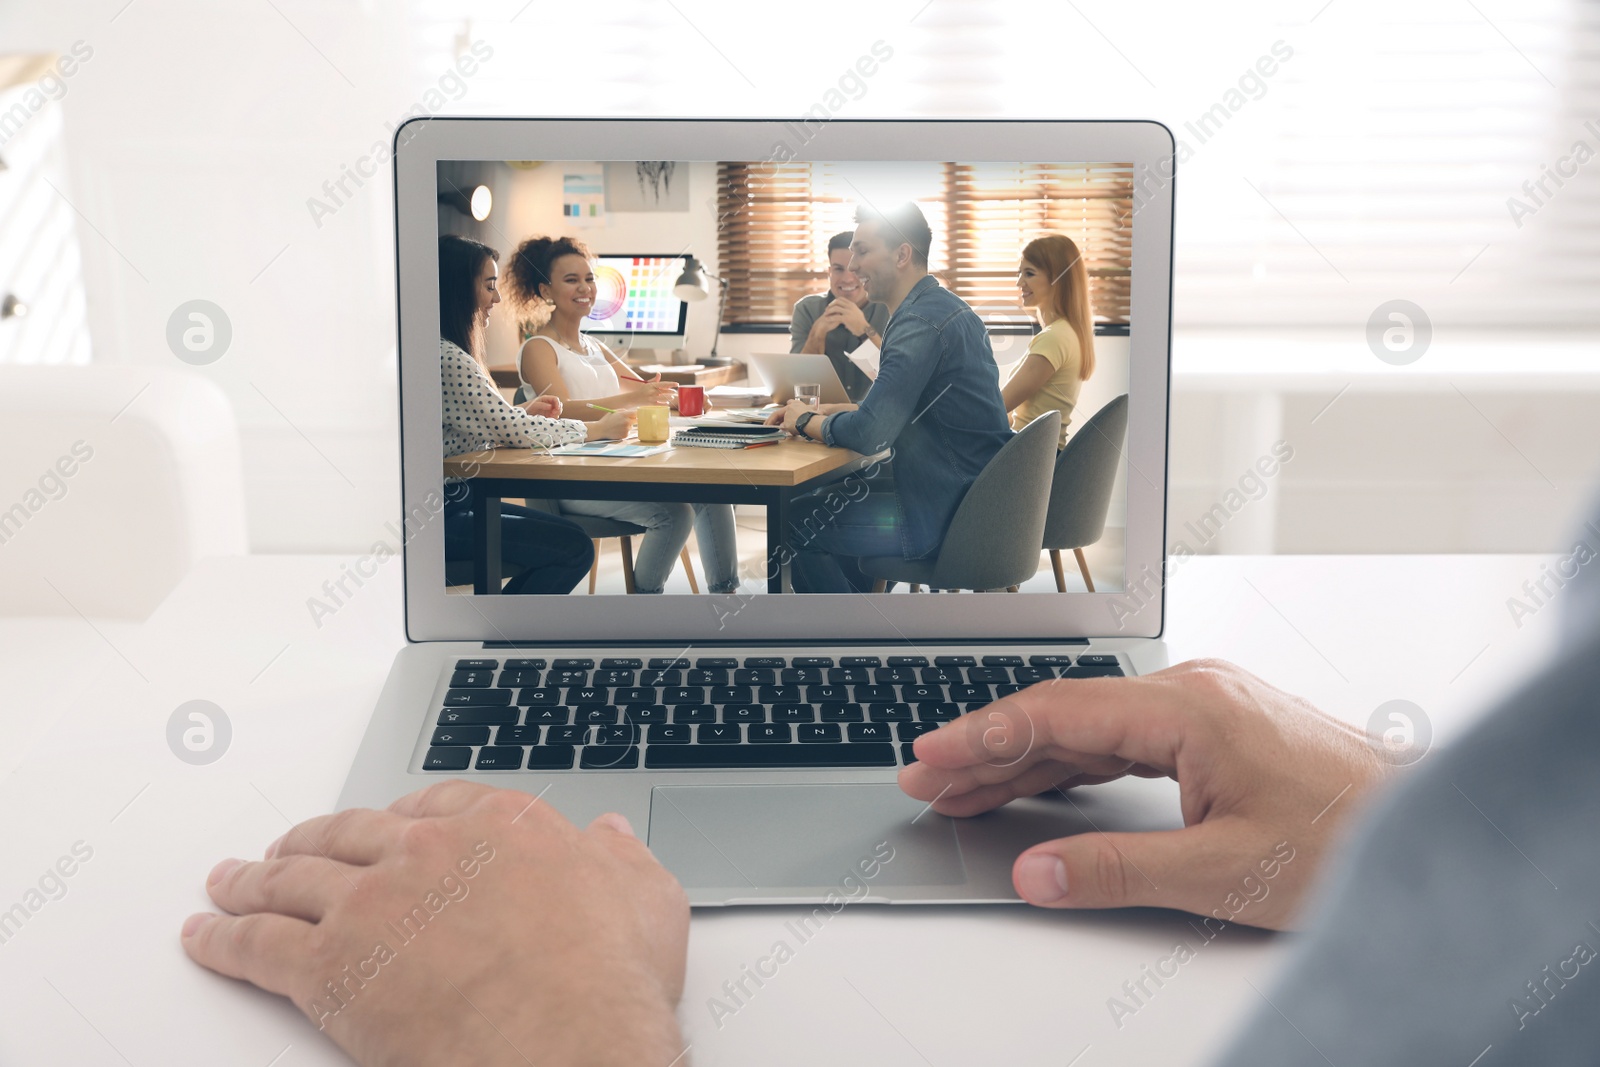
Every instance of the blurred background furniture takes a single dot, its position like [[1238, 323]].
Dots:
[[1080, 491]]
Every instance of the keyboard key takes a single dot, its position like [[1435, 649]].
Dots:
[[525, 664], [1007, 689], [793, 713], [694, 713], [818, 733], [500, 758], [859, 661], [732, 694], [953, 661], [516, 735], [646, 713], [755, 676], [842, 713], [662, 663], [648, 677], [461, 735], [596, 714], [778, 694], [472, 679], [908, 754], [872, 694], [1081, 671], [917, 694], [1029, 675], [800, 676], [889, 712], [476, 698], [518, 679], [477, 664], [849, 676], [614, 758], [622, 734], [550, 758], [615, 663], [716, 662], [771, 662], [667, 734], [699, 676], [548, 716], [539, 695], [573, 664], [636, 694], [478, 717], [769, 733], [937, 712], [683, 694], [988, 674], [588, 694], [908, 661], [868, 731], [910, 731], [941, 675], [977, 694], [567, 678], [692, 757], [447, 759], [1097, 660], [894, 675], [744, 713], [1050, 661], [566, 735], [612, 678], [827, 694], [1002, 661], [718, 733], [813, 661]]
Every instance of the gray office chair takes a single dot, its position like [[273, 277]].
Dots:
[[993, 539], [1080, 492], [599, 528]]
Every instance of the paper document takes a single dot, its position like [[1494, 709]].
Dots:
[[866, 358]]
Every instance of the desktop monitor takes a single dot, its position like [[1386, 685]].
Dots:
[[634, 305]]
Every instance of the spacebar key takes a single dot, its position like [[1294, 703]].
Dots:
[[694, 757]]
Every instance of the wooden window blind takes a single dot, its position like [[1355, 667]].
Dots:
[[776, 218]]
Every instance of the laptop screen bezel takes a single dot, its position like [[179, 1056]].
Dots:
[[432, 614]]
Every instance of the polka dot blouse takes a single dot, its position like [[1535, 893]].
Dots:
[[477, 418]]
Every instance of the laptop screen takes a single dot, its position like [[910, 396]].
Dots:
[[777, 377]]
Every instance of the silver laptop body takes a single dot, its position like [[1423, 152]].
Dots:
[[768, 835]]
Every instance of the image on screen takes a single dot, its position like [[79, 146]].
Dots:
[[800, 378]]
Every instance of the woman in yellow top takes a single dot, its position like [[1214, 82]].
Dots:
[[1055, 283]]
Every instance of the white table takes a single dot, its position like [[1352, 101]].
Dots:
[[98, 977]]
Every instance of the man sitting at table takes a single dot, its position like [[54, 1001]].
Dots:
[[936, 403], [841, 320]]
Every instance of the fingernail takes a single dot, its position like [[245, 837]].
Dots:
[[220, 871], [1041, 878], [619, 823], [194, 922]]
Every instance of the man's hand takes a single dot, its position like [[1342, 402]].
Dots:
[[846, 313], [1263, 775], [786, 416], [548, 405], [463, 925]]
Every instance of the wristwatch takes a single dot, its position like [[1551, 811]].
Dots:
[[800, 423]]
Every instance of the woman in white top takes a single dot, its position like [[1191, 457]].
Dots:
[[550, 280], [548, 554], [1054, 281]]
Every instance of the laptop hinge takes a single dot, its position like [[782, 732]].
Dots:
[[648, 643]]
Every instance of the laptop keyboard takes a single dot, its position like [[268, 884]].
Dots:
[[718, 712]]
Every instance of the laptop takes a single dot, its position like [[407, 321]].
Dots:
[[782, 371], [754, 739]]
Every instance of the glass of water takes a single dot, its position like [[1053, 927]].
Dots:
[[809, 394]]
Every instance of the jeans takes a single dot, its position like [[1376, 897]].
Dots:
[[545, 553], [827, 550], [667, 527]]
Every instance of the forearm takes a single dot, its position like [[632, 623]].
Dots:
[[816, 341]]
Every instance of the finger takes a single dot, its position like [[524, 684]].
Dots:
[[613, 821], [1186, 869], [356, 835], [302, 887], [440, 798], [266, 950], [1141, 720], [964, 793]]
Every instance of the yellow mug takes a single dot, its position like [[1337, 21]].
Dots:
[[653, 424]]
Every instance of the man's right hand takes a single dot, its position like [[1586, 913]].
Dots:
[[1262, 775]]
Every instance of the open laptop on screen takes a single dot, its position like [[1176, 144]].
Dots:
[[753, 737]]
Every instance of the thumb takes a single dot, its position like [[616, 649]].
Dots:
[[1181, 869]]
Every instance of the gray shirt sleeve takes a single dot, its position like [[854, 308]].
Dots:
[[806, 310], [1462, 920]]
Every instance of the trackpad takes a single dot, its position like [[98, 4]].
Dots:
[[812, 837]]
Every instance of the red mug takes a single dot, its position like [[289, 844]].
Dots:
[[691, 400]]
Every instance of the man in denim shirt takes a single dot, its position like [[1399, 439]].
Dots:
[[936, 403]]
